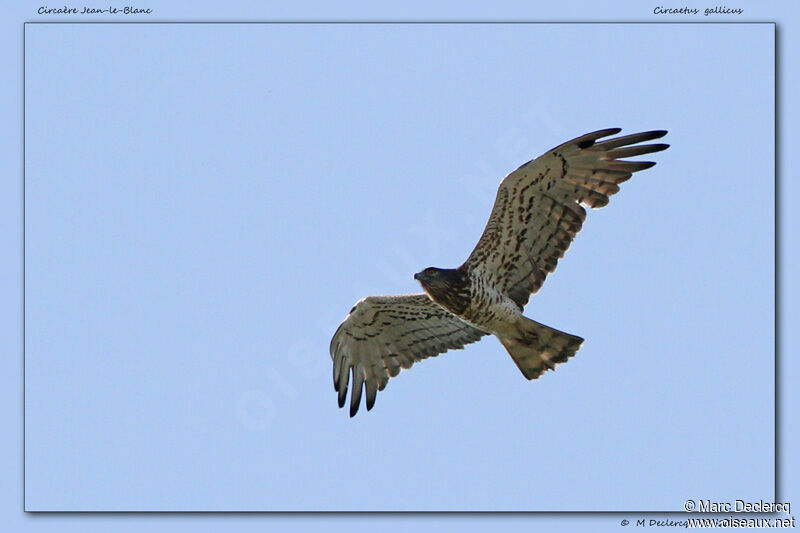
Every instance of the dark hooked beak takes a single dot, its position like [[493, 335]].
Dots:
[[418, 276]]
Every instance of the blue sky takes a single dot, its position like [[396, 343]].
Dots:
[[204, 203], [179, 362]]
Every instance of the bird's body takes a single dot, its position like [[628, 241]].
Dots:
[[475, 301], [537, 213], [491, 311]]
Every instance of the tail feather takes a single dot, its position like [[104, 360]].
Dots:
[[536, 347]]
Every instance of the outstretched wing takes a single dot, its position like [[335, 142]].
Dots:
[[383, 334], [538, 209]]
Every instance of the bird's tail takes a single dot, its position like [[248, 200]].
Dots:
[[535, 347]]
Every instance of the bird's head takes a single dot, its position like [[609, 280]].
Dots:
[[446, 286], [430, 276]]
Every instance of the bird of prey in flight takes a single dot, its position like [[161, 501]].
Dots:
[[537, 213]]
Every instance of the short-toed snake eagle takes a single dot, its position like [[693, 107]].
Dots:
[[537, 213]]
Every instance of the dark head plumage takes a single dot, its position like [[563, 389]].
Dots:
[[449, 287]]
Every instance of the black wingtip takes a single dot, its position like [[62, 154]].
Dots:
[[353, 410], [650, 135]]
